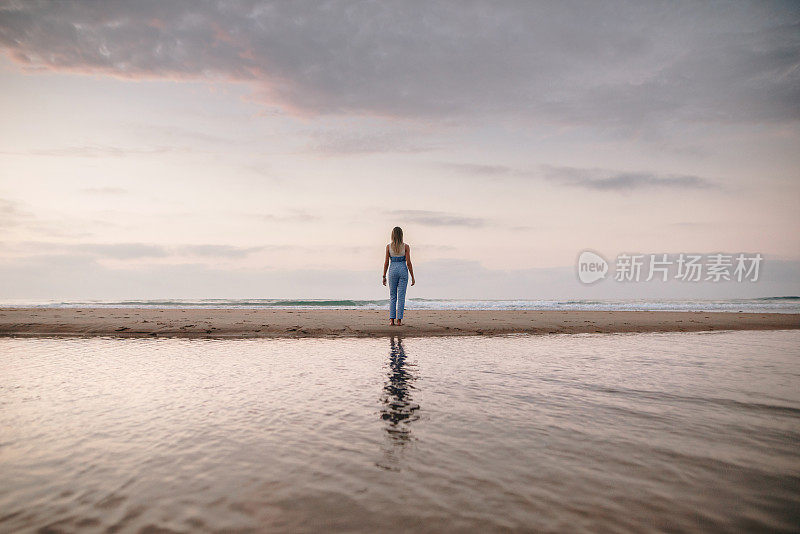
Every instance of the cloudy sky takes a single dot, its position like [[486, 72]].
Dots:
[[251, 149]]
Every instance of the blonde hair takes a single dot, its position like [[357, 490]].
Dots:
[[397, 240]]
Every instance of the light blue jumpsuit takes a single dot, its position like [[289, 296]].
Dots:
[[398, 280]]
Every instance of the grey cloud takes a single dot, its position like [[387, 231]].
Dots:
[[129, 251], [100, 151], [620, 64], [94, 250], [11, 214], [478, 169], [345, 142], [218, 251], [454, 278], [437, 218], [417, 246], [104, 190], [175, 133], [606, 180], [7, 207], [17, 214], [83, 278], [295, 215], [123, 251], [596, 179]]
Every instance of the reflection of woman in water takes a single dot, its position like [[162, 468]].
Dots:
[[398, 410]]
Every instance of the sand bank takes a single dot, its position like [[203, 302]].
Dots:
[[153, 322]]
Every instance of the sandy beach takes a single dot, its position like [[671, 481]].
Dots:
[[176, 322]]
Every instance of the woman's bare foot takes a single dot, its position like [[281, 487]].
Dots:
[[391, 322], [399, 322]]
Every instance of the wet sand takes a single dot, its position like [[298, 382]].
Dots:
[[172, 322]]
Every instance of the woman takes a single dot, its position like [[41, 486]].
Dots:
[[399, 255]]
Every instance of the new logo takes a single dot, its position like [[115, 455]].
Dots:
[[591, 267]]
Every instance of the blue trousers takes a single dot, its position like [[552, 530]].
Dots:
[[398, 280]]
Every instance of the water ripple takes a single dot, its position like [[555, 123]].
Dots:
[[641, 432]]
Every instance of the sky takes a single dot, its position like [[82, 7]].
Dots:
[[190, 149]]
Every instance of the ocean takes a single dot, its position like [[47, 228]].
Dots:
[[785, 304], [677, 432]]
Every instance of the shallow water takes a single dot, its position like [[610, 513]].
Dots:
[[620, 432]]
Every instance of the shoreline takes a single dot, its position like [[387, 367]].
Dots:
[[287, 323]]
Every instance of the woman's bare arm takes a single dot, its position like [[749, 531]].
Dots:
[[385, 264], [408, 262]]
